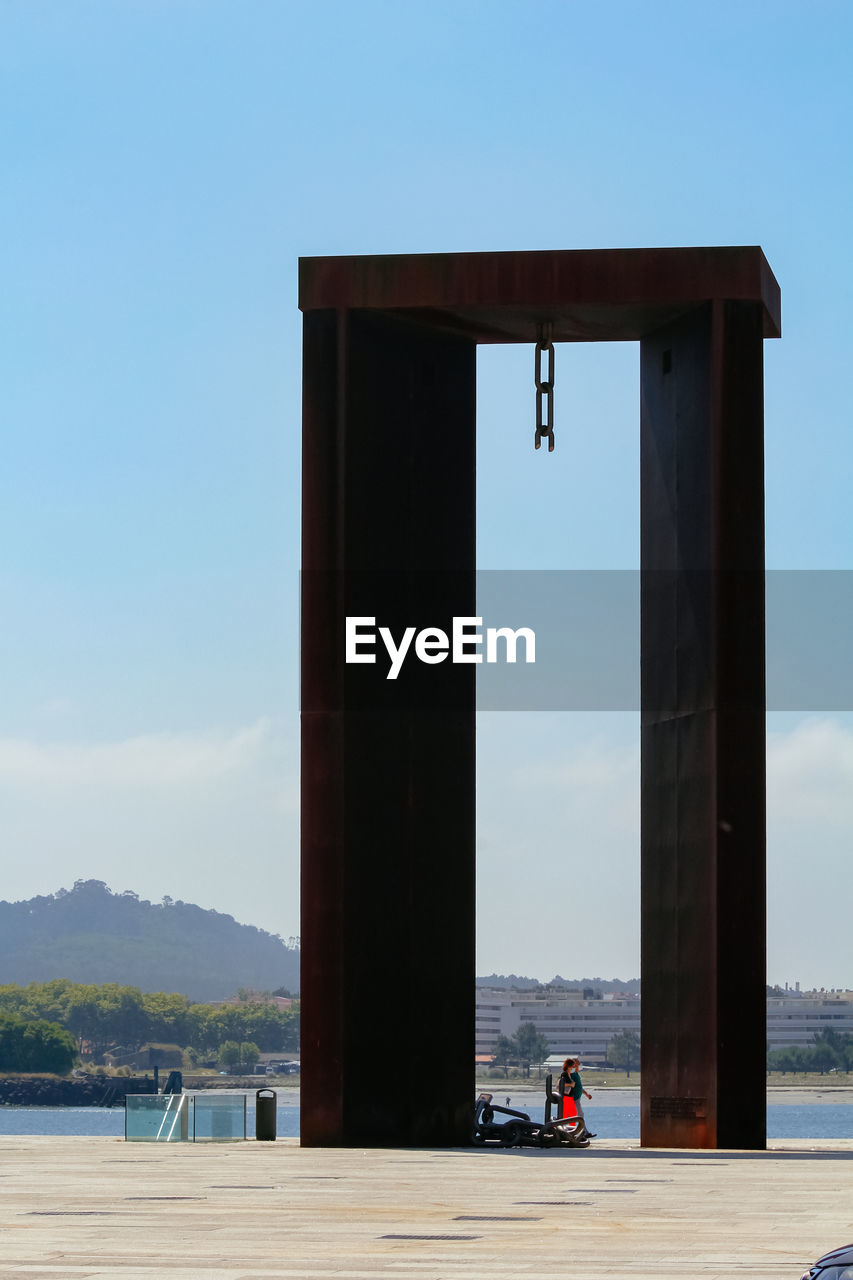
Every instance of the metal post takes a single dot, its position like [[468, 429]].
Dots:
[[703, 790], [388, 767]]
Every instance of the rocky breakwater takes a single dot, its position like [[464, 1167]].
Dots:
[[70, 1091]]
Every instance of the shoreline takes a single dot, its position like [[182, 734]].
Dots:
[[521, 1093]]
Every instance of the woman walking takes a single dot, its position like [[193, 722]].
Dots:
[[573, 1085]]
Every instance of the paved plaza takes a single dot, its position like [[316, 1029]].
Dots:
[[100, 1207]]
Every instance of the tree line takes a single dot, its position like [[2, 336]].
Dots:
[[529, 1046], [525, 1047], [831, 1051], [107, 1016]]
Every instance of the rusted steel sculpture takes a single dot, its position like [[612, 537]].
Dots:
[[388, 779]]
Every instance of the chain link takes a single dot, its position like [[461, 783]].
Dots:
[[544, 387]]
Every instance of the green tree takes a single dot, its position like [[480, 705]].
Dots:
[[249, 1054], [35, 1046], [83, 1013], [824, 1055], [785, 1060], [624, 1051], [232, 1021], [238, 1057], [48, 1047], [531, 1046], [504, 1050], [271, 1027], [832, 1049], [167, 1016], [800, 1059], [845, 1050], [202, 1029], [48, 1000], [12, 998], [121, 1017], [229, 1055]]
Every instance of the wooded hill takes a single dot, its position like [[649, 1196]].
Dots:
[[91, 935]]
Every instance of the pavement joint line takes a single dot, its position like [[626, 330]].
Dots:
[[783, 1209]]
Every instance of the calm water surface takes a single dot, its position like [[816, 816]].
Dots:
[[96, 1122], [818, 1120], [824, 1120]]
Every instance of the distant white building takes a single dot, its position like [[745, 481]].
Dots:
[[570, 1023], [793, 1019], [574, 1025]]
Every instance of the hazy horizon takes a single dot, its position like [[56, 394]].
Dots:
[[293, 941]]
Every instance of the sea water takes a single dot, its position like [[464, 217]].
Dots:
[[108, 1122], [815, 1120]]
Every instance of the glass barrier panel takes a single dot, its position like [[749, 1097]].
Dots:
[[219, 1119], [157, 1117]]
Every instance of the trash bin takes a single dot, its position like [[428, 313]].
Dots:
[[266, 1101]]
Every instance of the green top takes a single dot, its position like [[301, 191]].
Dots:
[[577, 1088]]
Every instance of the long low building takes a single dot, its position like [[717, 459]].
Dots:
[[795, 1020], [572, 1024]]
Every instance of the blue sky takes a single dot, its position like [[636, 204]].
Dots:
[[164, 166]]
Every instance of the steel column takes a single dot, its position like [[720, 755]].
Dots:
[[388, 783], [703, 731]]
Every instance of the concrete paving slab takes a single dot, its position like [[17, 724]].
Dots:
[[75, 1208]]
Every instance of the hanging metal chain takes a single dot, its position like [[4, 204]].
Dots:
[[544, 387]]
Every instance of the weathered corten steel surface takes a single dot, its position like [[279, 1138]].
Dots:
[[597, 295], [703, 730], [388, 770], [388, 780]]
